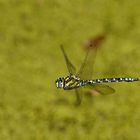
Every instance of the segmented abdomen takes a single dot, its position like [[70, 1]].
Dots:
[[108, 80]]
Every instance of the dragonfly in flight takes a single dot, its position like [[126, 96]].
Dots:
[[83, 77]]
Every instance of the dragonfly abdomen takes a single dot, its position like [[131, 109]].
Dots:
[[109, 80]]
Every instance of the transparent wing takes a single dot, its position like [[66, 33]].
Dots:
[[78, 96], [72, 70], [102, 89], [86, 69], [91, 46], [70, 66]]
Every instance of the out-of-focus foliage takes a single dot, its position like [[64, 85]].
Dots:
[[31, 108]]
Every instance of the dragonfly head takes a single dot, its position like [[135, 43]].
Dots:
[[59, 82]]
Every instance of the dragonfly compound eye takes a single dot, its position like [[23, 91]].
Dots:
[[59, 83]]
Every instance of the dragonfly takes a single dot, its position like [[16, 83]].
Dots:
[[82, 78]]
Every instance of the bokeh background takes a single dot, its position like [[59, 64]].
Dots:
[[31, 108]]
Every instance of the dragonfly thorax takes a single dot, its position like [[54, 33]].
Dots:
[[60, 82], [69, 82], [71, 76]]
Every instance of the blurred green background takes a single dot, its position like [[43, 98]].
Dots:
[[31, 108]]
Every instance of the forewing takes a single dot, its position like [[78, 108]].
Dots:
[[102, 89], [86, 68], [70, 66], [91, 46]]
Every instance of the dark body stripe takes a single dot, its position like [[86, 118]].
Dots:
[[71, 83]]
